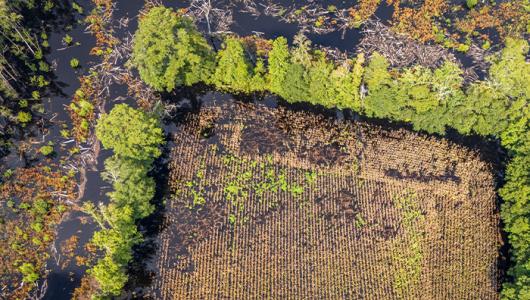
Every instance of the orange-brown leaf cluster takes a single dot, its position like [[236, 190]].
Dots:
[[98, 21], [417, 23], [364, 10], [260, 45], [80, 121], [22, 241], [509, 18]]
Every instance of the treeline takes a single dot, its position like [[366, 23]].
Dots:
[[169, 52], [134, 136]]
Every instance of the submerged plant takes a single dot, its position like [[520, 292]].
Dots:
[[46, 150], [74, 63]]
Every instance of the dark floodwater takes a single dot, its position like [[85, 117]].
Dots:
[[62, 282]]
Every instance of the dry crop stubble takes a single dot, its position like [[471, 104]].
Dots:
[[298, 206]]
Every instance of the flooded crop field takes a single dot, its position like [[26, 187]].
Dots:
[[273, 203]]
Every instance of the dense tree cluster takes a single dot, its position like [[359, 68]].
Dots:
[[135, 137], [303, 74], [169, 51], [431, 99]]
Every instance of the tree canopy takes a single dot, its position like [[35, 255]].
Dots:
[[170, 52], [130, 133], [234, 71], [135, 137]]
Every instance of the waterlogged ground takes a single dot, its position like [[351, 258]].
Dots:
[[351, 183], [278, 203]]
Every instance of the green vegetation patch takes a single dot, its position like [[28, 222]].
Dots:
[[409, 258]]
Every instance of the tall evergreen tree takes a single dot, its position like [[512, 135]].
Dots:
[[234, 71], [279, 61]]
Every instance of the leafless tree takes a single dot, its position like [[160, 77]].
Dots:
[[220, 15]]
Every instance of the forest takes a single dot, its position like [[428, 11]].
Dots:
[[91, 178]]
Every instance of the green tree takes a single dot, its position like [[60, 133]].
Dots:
[[429, 95], [259, 80], [509, 72], [130, 133], [515, 213], [516, 137], [346, 82], [279, 61], [342, 84], [321, 89], [488, 107], [380, 99], [132, 187], [234, 70], [295, 86], [510, 75], [170, 52], [357, 77], [110, 275], [135, 137], [302, 53]]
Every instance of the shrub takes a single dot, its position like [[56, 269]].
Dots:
[[23, 103], [23, 117], [74, 63], [471, 3], [40, 207], [46, 150], [35, 95], [67, 40], [29, 272]]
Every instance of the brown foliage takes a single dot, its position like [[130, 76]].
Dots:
[[509, 18], [363, 10], [417, 23], [81, 122], [20, 242]]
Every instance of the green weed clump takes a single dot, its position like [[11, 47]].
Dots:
[[471, 3], [408, 258], [47, 150], [245, 179]]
